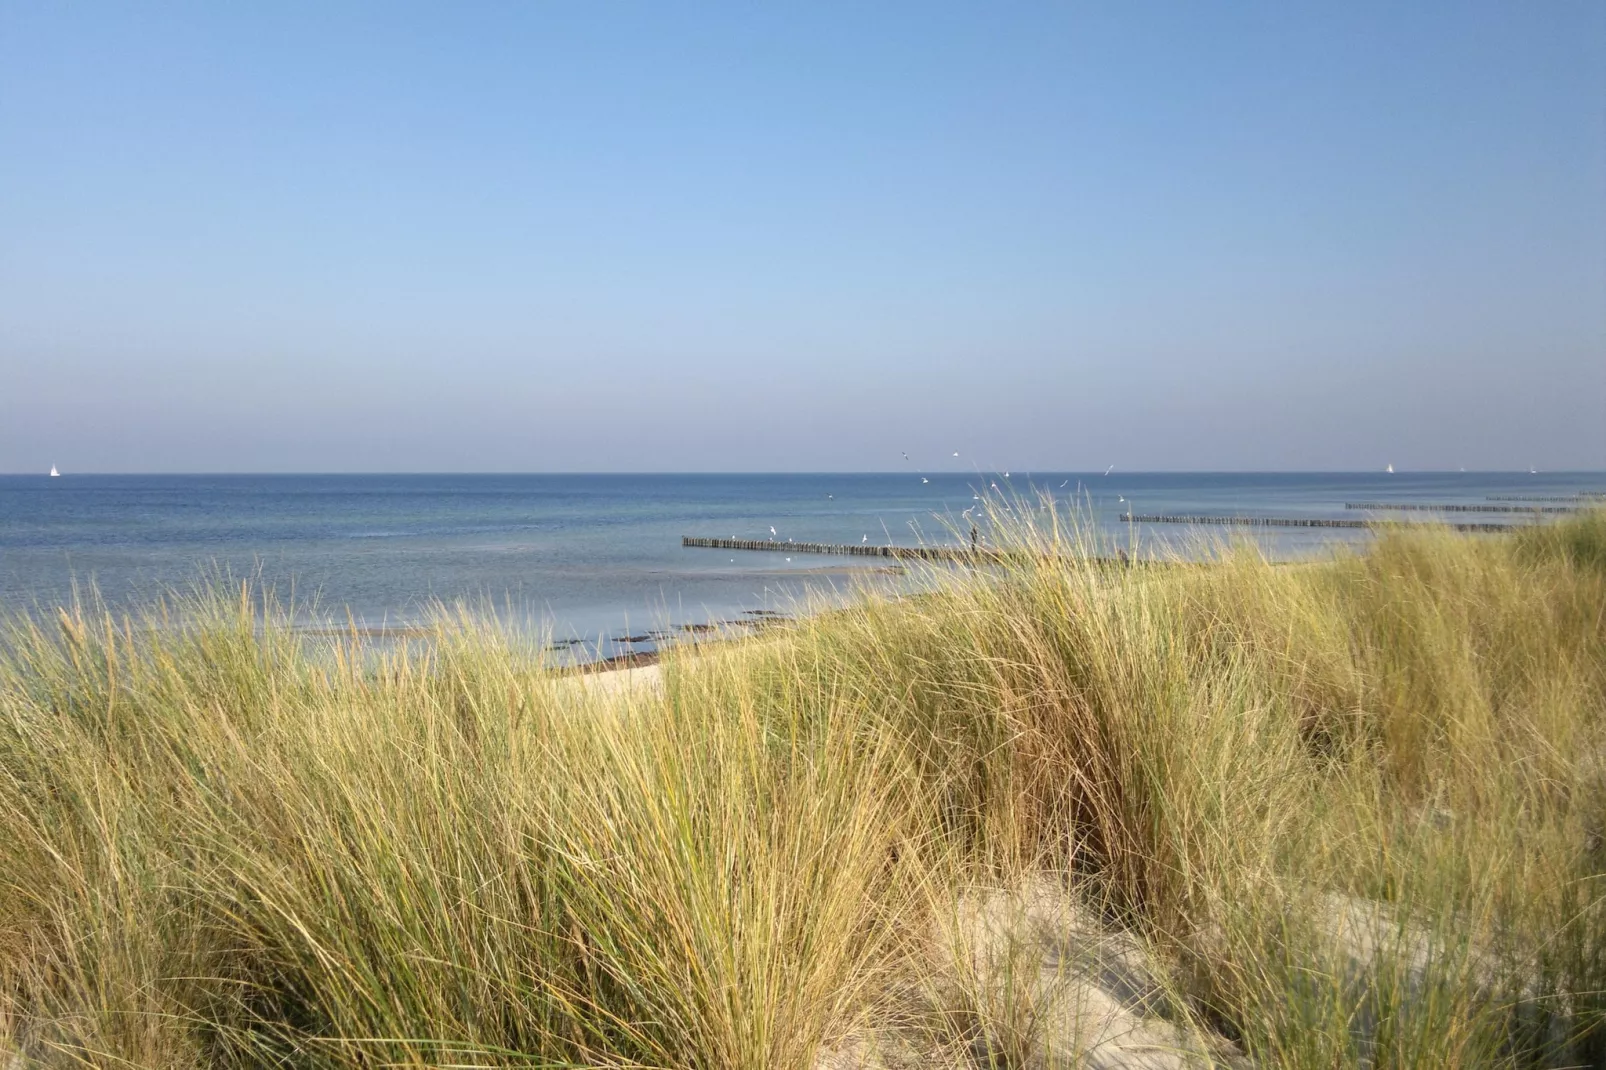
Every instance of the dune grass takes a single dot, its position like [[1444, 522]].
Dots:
[[1346, 813]]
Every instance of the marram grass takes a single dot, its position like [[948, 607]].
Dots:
[[1348, 812]]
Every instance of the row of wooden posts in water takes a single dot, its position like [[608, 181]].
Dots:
[[1293, 522], [1586, 497], [1431, 507], [920, 553], [976, 553], [982, 554]]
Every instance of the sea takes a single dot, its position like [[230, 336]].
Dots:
[[595, 562]]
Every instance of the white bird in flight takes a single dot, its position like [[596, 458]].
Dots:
[[1067, 481], [772, 529], [1108, 470], [956, 453], [923, 479], [865, 539]]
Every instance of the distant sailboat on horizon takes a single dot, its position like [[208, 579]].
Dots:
[[53, 473]]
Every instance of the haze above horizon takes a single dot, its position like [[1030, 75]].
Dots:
[[474, 238]]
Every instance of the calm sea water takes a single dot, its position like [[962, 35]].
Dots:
[[593, 556]]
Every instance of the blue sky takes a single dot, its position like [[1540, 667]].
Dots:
[[544, 237]]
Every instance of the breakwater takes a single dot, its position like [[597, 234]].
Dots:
[[1294, 522], [963, 554], [1431, 507], [1587, 497], [917, 553]]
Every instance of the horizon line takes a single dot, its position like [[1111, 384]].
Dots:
[[822, 472]]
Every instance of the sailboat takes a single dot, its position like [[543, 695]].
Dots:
[[1389, 469], [53, 473]]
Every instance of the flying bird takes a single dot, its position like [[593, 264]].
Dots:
[[1063, 484], [956, 453], [865, 539], [923, 479], [1107, 470], [772, 529]]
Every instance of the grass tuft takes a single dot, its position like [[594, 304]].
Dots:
[[1050, 811]]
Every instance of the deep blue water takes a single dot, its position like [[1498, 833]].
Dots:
[[590, 554]]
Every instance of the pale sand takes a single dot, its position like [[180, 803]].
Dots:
[[616, 681], [1033, 961]]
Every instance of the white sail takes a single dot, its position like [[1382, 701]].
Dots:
[[53, 471]]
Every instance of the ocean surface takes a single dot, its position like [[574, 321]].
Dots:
[[595, 558]]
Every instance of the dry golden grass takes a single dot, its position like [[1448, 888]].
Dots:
[[1342, 813]]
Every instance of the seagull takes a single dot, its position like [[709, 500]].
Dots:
[[1108, 470], [1063, 484], [772, 530], [865, 539], [923, 479], [956, 453], [905, 455], [995, 486], [830, 495]]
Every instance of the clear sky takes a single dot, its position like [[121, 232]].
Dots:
[[560, 237]]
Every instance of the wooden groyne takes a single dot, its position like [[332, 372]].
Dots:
[[1430, 507], [1294, 522], [1586, 498], [964, 554], [775, 546]]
